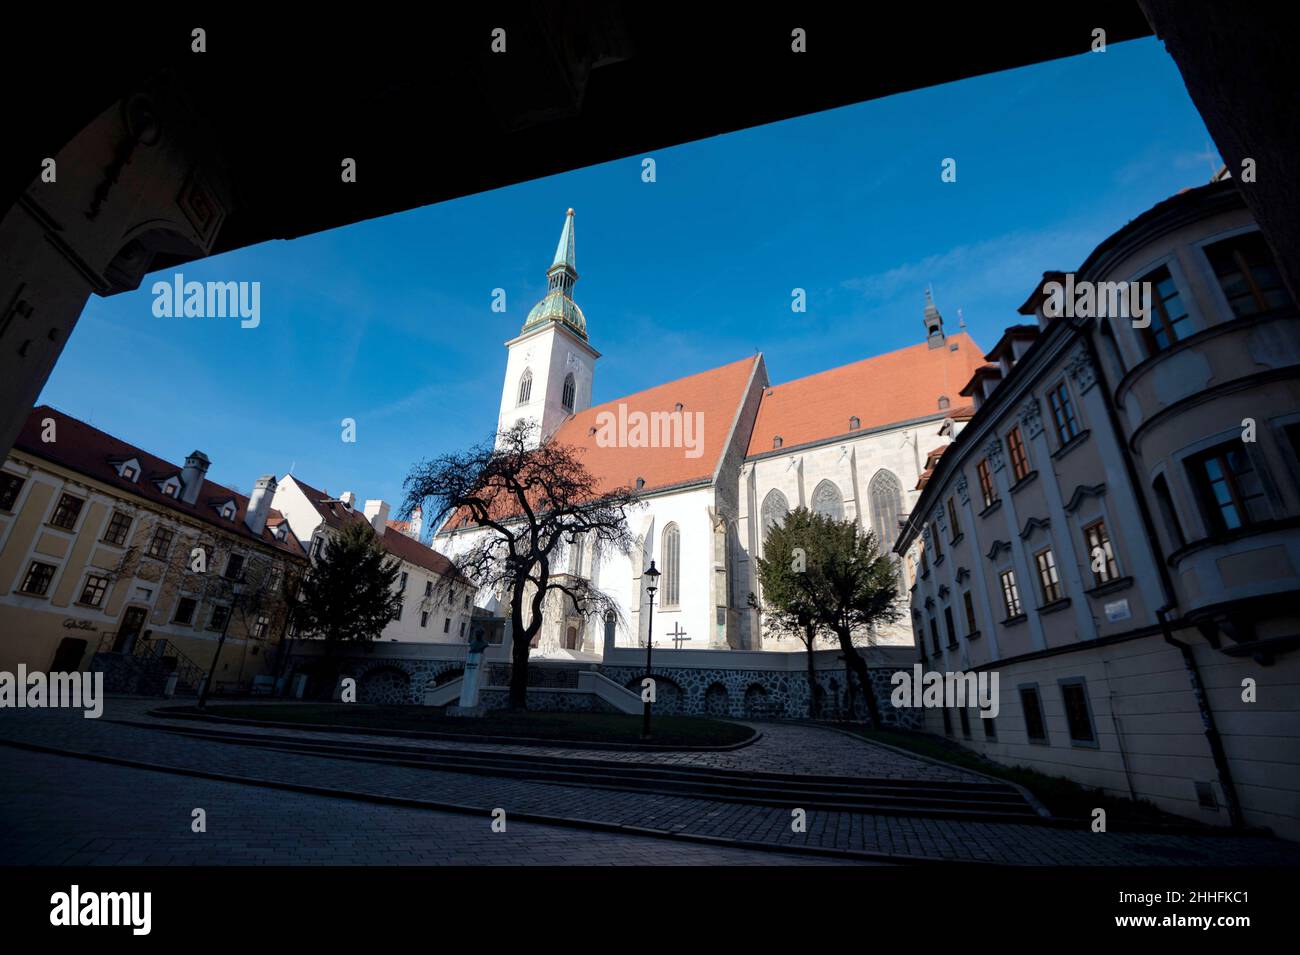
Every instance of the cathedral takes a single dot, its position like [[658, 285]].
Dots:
[[740, 452]]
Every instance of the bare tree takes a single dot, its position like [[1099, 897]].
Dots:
[[529, 502]]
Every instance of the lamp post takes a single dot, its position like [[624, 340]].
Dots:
[[238, 588], [650, 589]]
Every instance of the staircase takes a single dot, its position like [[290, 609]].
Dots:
[[974, 800], [144, 669]]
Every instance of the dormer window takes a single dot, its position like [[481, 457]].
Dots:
[[228, 510], [171, 487], [944, 403], [129, 470], [777, 441], [855, 423]]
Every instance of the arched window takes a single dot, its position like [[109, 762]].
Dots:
[[575, 556], [672, 554], [566, 398], [525, 386], [886, 496], [827, 501], [775, 508]]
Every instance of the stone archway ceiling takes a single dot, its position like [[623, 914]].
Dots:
[[430, 114]]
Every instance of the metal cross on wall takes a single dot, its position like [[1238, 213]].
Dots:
[[679, 636]]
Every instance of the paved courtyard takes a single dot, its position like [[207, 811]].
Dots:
[[85, 809]]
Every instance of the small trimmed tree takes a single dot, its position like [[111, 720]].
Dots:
[[349, 594], [846, 586], [788, 604]]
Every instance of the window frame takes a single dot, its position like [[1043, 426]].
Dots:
[[11, 489], [1067, 424], [1111, 568], [1078, 683], [49, 580], [1011, 595], [1040, 716], [988, 487], [1051, 589], [1212, 511], [101, 590], [59, 511], [120, 540], [1017, 454], [152, 551]]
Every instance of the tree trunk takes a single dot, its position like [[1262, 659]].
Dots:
[[853, 660], [813, 708], [519, 671]]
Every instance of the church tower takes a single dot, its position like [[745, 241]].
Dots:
[[934, 334], [549, 366]]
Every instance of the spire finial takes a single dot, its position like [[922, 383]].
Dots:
[[564, 252]]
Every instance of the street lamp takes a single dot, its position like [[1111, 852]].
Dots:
[[238, 589], [650, 589]]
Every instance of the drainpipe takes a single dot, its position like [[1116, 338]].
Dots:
[[1212, 736]]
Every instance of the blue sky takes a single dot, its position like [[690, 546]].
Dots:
[[389, 321]]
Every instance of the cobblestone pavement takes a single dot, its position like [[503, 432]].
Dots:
[[1010, 843], [783, 748], [59, 810]]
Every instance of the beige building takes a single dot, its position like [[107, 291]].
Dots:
[[107, 549], [1114, 531]]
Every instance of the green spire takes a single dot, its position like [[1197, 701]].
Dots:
[[558, 304]]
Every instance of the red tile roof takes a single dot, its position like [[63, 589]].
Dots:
[[89, 451], [395, 542], [717, 393], [898, 386]]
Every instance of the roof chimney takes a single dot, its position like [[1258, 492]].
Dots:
[[259, 503], [377, 514], [192, 475], [348, 500]]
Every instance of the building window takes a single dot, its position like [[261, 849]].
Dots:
[[428, 588], [1032, 706], [462, 629], [171, 488], [38, 578], [925, 562], [575, 556], [1248, 274], [948, 624], [774, 510], [947, 721], [990, 730], [1100, 556], [954, 527], [1168, 313], [467, 601], [525, 386], [1010, 594], [672, 566], [160, 543], [65, 515], [1048, 580], [261, 626], [424, 618], [886, 496], [964, 716], [92, 594], [987, 490], [1229, 486], [936, 541], [10, 487], [1019, 459], [118, 525], [446, 625], [235, 567], [567, 393], [402, 582], [777, 441], [934, 635], [855, 423], [317, 545], [1077, 716], [827, 501], [969, 604], [944, 403], [220, 615], [185, 608], [397, 614], [1067, 424]]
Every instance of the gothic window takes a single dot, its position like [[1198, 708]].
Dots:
[[775, 508], [828, 501], [672, 581], [526, 386], [566, 399], [575, 556], [886, 496]]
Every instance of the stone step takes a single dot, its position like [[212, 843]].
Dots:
[[892, 796]]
